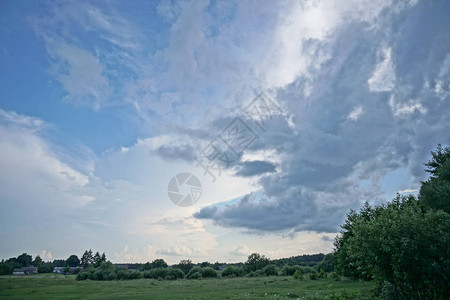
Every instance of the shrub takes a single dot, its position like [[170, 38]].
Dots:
[[122, 274], [230, 271], [257, 273], [111, 276], [298, 275], [158, 273], [306, 270], [322, 274], [194, 273], [135, 275], [335, 276], [82, 276], [209, 272], [174, 273], [97, 275], [270, 270], [313, 275], [288, 271]]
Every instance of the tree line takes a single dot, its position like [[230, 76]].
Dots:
[[403, 245], [25, 260]]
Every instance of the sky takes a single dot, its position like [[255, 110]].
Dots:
[[289, 114]]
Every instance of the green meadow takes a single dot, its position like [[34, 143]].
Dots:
[[277, 287]]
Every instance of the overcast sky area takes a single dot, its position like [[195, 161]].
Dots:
[[103, 102]]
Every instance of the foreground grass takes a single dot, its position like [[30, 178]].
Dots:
[[66, 287]]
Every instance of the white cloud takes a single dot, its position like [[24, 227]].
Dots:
[[46, 255], [405, 109], [241, 250], [80, 73], [408, 191], [383, 77], [355, 114], [31, 171], [181, 250]]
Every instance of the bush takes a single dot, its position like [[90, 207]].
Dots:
[[209, 272], [288, 271], [270, 270], [123, 274], [158, 273], [322, 274], [194, 273], [231, 271], [298, 275], [135, 275], [404, 248], [257, 273], [97, 275], [111, 276], [335, 276], [306, 270], [313, 275], [82, 276], [174, 273]]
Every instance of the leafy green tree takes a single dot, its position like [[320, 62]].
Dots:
[[209, 272], [97, 259], [435, 192], [73, 261], [59, 263], [37, 261], [205, 264], [231, 271], [6, 268], [344, 264], [90, 257], [328, 263], [438, 158], [159, 263], [24, 259], [270, 270], [185, 265], [404, 248], [255, 261], [103, 257], [85, 259]]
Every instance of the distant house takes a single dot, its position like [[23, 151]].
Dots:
[[72, 270], [25, 271], [59, 270]]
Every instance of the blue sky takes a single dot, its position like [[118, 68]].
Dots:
[[102, 103]]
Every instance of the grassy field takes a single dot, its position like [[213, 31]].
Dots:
[[66, 287]]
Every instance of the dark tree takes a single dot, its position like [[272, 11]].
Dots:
[[85, 259], [435, 192], [256, 261], [185, 265], [158, 263], [37, 261], [24, 260], [97, 259], [438, 158], [73, 261], [59, 263]]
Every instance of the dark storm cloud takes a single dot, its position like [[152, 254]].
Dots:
[[257, 167], [399, 115]]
